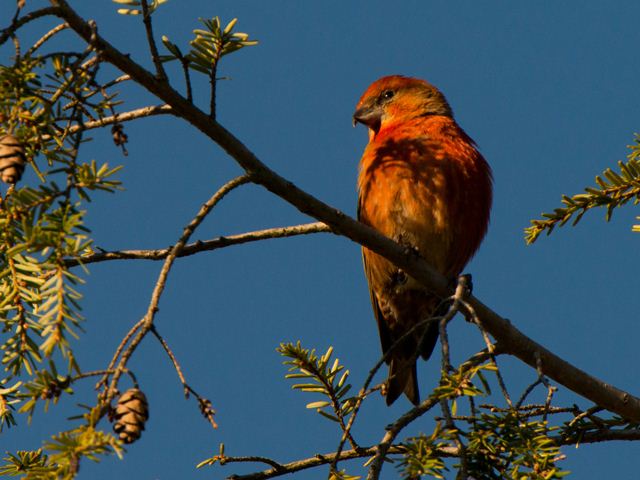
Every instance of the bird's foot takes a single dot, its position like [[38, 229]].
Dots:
[[465, 283], [463, 290]]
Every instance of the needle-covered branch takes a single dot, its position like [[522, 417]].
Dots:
[[613, 190]]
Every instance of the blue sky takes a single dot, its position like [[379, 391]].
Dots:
[[548, 91]]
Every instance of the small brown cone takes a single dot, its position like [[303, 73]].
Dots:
[[12, 159], [130, 415]]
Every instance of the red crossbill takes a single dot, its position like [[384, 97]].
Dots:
[[423, 183]]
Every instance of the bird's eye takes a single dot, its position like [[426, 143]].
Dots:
[[387, 94]]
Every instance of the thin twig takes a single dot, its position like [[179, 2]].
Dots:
[[17, 23], [315, 461], [95, 373], [587, 413], [604, 435], [46, 37], [147, 320], [187, 78], [201, 246], [111, 83], [92, 373], [383, 448], [364, 390], [205, 404], [118, 118], [547, 405], [444, 341], [460, 292], [116, 355], [173, 359], [528, 411], [214, 82], [462, 289], [395, 428], [462, 449], [223, 459], [540, 380], [527, 391], [471, 314], [153, 48]]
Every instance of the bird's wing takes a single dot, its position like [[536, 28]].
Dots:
[[386, 339]]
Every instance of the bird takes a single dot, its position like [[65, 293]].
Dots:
[[423, 183]]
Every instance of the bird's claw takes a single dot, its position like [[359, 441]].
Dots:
[[465, 281]]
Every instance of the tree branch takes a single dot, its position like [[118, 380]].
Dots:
[[149, 111], [18, 23], [46, 37], [205, 404], [393, 430], [147, 320], [384, 447], [148, 26], [296, 466], [605, 435], [119, 118], [514, 341], [201, 246]]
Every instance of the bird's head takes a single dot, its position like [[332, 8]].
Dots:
[[396, 99]]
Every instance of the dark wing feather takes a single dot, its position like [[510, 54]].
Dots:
[[383, 329]]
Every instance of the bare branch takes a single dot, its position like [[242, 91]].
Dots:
[[208, 412], [363, 391], [29, 17], [605, 435], [46, 37], [296, 466], [147, 320], [110, 369], [119, 117], [149, 111], [491, 348], [148, 26], [384, 447], [202, 246], [457, 439]]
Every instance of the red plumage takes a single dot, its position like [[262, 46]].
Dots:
[[423, 183]]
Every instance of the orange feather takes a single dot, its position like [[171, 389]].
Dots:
[[423, 183]]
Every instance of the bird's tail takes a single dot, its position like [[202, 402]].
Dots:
[[403, 376]]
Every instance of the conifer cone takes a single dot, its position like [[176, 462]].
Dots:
[[12, 159], [130, 415]]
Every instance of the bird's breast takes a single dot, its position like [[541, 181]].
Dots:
[[407, 202], [428, 188]]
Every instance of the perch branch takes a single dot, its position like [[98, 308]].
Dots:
[[514, 342]]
